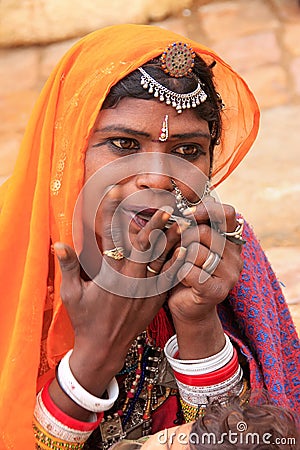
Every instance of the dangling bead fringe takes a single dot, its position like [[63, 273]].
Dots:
[[178, 101]]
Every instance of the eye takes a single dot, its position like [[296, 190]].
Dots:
[[189, 150], [124, 143]]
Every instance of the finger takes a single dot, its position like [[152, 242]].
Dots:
[[111, 233], [197, 254], [168, 277], [214, 242], [214, 284], [157, 222], [231, 264], [71, 285], [194, 277], [211, 263], [209, 210], [144, 243], [183, 272], [163, 247], [206, 236]]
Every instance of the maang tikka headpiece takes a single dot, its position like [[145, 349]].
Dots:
[[177, 61]]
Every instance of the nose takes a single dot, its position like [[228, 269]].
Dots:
[[156, 174]]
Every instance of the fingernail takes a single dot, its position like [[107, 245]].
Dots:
[[189, 211], [181, 253], [60, 251], [168, 211], [182, 226]]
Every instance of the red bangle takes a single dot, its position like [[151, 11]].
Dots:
[[216, 377], [62, 417]]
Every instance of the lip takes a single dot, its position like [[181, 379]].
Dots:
[[139, 215], [139, 208]]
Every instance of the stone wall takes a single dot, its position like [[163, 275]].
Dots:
[[27, 22]]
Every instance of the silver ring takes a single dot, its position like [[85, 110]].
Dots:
[[152, 270], [115, 253], [236, 235], [211, 263], [238, 231]]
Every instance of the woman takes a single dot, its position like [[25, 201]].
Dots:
[[128, 133]]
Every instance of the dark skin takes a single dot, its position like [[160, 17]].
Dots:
[[102, 336]]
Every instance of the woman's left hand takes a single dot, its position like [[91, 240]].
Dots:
[[193, 302]]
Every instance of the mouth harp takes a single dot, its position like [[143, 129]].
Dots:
[[173, 218]]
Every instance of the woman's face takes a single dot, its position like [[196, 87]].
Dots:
[[142, 166]]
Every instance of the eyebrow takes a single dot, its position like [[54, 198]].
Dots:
[[192, 134], [121, 129]]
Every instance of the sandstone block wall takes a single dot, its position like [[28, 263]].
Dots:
[[27, 22]]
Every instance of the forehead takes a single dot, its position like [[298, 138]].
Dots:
[[148, 115]]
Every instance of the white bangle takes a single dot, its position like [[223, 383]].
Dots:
[[78, 394], [197, 366]]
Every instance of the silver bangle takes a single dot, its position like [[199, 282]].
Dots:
[[195, 398], [204, 394]]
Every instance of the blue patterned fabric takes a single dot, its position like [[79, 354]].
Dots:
[[257, 318]]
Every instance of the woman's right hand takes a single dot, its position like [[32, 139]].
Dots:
[[106, 323]]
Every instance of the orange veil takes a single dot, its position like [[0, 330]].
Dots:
[[37, 202]]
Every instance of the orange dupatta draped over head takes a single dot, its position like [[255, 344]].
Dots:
[[38, 200]]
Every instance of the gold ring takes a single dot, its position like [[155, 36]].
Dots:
[[115, 253], [152, 270]]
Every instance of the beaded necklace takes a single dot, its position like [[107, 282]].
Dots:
[[138, 396]]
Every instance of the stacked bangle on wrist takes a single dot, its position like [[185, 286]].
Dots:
[[197, 366], [195, 395], [215, 378], [190, 412], [55, 429], [78, 394]]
